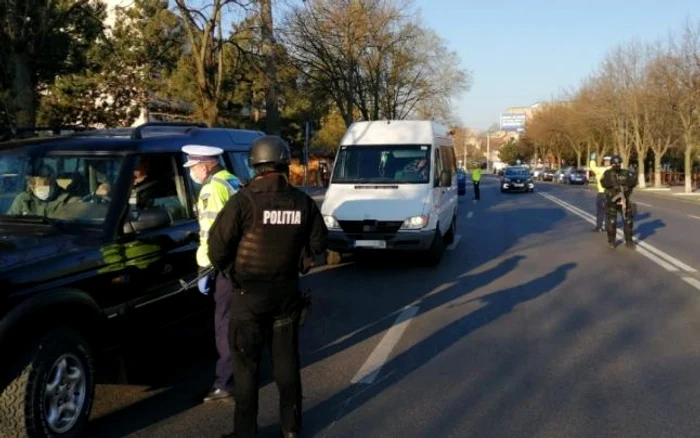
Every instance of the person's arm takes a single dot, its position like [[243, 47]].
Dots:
[[225, 234]]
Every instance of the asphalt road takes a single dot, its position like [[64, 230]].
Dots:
[[530, 327]]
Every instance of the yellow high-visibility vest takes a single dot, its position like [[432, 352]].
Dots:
[[212, 198]]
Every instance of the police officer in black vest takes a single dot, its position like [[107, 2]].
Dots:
[[258, 239], [618, 184]]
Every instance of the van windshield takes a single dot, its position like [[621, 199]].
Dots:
[[398, 164]]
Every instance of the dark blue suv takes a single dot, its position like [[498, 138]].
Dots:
[[100, 269]]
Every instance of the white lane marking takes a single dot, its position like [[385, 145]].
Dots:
[[371, 368], [656, 255], [643, 203], [454, 244], [471, 214], [693, 282], [694, 217]]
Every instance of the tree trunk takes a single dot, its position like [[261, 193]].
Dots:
[[272, 115], [24, 90], [578, 158], [641, 172], [689, 167], [657, 170], [210, 112]]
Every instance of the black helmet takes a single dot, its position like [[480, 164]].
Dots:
[[269, 149], [616, 161]]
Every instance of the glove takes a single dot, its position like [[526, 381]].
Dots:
[[593, 156], [204, 284]]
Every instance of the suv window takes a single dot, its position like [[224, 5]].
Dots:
[[158, 182], [72, 185]]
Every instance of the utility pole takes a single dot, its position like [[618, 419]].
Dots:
[[488, 151], [305, 152]]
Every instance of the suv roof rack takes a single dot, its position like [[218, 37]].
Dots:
[[137, 132]]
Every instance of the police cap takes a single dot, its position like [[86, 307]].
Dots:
[[269, 149], [615, 160], [201, 154]]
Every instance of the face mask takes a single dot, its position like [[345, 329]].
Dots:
[[195, 179], [42, 192]]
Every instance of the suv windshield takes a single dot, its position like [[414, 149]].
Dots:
[[409, 164], [72, 188]]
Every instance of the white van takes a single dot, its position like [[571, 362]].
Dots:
[[393, 187]]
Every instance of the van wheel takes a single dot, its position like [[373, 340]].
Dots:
[[50, 388], [333, 257], [450, 236], [437, 249]]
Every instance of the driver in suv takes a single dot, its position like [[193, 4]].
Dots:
[[43, 197]]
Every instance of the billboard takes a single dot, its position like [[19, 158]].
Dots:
[[513, 122]]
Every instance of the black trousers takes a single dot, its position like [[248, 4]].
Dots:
[[222, 322], [259, 319], [600, 207], [477, 192], [612, 211]]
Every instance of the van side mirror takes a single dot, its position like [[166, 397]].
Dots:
[[445, 178]]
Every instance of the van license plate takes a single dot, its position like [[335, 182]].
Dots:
[[381, 244]]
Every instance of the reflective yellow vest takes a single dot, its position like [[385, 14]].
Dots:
[[598, 171], [212, 198], [476, 175]]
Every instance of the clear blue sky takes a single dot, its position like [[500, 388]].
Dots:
[[521, 51]]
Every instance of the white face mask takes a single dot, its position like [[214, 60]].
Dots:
[[43, 192], [195, 179]]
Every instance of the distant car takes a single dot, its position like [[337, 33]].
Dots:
[[546, 175], [517, 179], [577, 176], [461, 182], [558, 176]]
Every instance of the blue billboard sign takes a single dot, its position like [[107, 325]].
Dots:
[[513, 122]]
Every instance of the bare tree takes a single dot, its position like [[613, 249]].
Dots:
[[203, 25], [374, 59], [684, 75]]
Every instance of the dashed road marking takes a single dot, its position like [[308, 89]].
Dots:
[[373, 365]]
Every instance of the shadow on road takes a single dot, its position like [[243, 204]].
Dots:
[[497, 305]]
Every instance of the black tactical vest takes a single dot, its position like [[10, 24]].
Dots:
[[276, 227]]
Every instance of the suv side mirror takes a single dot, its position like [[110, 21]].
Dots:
[[445, 178], [149, 219]]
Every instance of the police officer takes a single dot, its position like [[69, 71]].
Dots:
[[218, 185], [601, 203], [618, 184], [476, 181], [258, 240]]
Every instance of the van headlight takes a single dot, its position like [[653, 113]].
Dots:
[[415, 222], [331, 222]]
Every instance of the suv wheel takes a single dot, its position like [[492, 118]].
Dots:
[[50, 389]]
